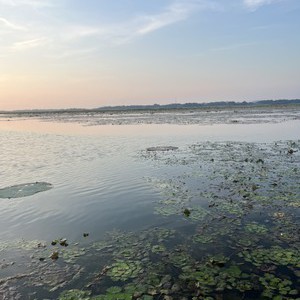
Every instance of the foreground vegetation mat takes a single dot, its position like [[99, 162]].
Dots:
[[231, 211]]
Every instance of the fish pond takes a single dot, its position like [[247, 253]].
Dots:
[[151, 211]]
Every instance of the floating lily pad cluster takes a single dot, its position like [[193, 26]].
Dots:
[[256, 228], [234, 207], [125, 270], [22, 245], [275, 255], [276, 286], [212, 277], [113, 293], [226, 185]]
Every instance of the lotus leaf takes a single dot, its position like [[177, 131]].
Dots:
[[24, 190]]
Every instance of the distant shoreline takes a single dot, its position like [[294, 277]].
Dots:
[[162, 107]]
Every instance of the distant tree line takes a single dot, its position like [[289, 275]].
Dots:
[[199, 105]]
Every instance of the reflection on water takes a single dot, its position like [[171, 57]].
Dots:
[[98, 174], [94, 169]]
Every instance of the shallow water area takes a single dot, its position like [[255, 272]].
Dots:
[[216, 217]]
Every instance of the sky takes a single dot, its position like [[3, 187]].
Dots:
[[91, 53]]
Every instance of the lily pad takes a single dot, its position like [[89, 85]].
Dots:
[[124, 270], [256, 228], [74, 295], [24, 190]]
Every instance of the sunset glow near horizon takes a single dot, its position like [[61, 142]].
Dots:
[[71, 53]]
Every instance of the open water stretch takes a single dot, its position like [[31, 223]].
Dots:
[[87, 212]]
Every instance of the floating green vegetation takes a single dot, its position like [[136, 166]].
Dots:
[[175, 196], [256, 228], [167, 210], [24, 190], [275, 287], [180, 258], [53, 276], [235, 210], [158, 249], [274, 255], [212, 278], [114, 293], [202, 239], [246, 241], [124, 270], [231, 208], [75, 295], [71, 255], [22, 245], [198, 214]]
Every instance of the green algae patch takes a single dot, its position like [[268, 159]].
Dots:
[[24, 190]]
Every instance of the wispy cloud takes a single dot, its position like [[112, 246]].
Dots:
[[11, 25], [83, 31], [65, 39], [77, 53], [254, 4], [141, 25], [176, 12], [29, 44], [234, 47], [32, 3], [173, 14]]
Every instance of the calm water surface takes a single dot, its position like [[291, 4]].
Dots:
[[97, 173]]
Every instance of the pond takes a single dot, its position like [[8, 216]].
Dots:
[[154, 210]]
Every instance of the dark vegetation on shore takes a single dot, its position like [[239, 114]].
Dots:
[[175, 106], [220, 104]]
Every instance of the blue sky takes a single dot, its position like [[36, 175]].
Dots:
[[72, 53]]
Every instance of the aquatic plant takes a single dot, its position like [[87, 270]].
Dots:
[[273, 286], [24, 190], [274, 255], [124, 270], [75, 295], [256, 228]]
